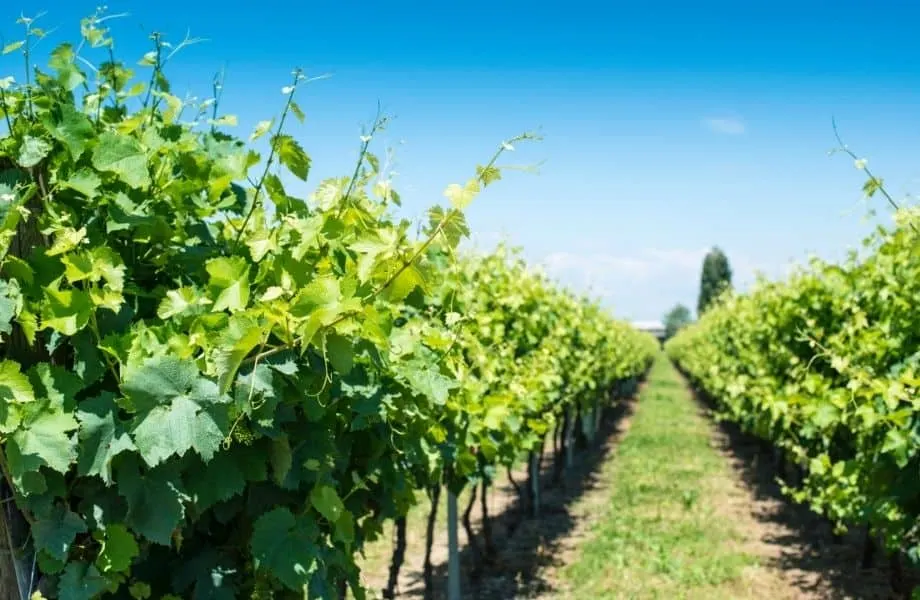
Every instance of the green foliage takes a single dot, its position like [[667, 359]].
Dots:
[[210, 388], [825, 366], [677, 318], [715, 278]]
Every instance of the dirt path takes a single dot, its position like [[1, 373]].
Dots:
[[667, 505]]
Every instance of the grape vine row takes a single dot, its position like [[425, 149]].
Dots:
[[211, 388], [824, 365]]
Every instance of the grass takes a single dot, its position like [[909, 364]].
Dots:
[[660, 533]]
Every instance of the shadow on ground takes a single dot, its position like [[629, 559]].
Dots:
[[526, 546], [813, 559]]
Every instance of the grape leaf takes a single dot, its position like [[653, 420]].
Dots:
[[216, 481], [155, 499], [242, 335], [44, 442], [102, 436], [285, 546], [124, 157], [229, 283], [119, 549], [291, 155], [10, 304], [32, 151], [55, 533], [70, 127], [81, 582], [325, 500], [178, 410], [427, 380]]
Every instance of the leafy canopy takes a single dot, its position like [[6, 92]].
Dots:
[[214, 389]]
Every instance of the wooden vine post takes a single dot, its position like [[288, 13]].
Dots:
[[534, 481], [570, 438], [17, 564], [453, 548]]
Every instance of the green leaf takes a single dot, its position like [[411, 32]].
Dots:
[[284, 546], [229, 283], [826, 415], [66, 239], [427, 380], [71, 128], [461, 197], [124, 157], [325, 500], [297, 111], [66, 311], [14, 385], [32, 151], [488, 175], [178, 410], [102, 436], [228, 120], [896, 443], [88, 363], [452, 225], [100, 263], [155, 500], [262, 127], [10, 304], [13, 46], [183, 301], [85, 182], [55, 533], [291, 155], [409, 279], [62, 61], [81, 582], [216, 481], [56, 386], [119, 549], [44, 441], [241, 337], [340, 353], [140, 590], [281, 458]]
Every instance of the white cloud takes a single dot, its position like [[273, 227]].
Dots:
[[725, 125], [645, 283], [643, 264]]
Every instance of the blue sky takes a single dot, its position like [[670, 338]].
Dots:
[[668, 127]]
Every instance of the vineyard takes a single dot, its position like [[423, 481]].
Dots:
[[214, 389], [823, 368], [214, 386]]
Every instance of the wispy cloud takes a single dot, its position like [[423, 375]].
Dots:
[[643, 264], [648, 281], [725, 125]]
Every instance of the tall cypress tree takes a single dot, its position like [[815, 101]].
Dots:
[[716, 276]]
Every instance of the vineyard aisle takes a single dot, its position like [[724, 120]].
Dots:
[[659, 510], [676, 521]]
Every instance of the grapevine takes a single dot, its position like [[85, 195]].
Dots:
[[211, 388], [824, 366]]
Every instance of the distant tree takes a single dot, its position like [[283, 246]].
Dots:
[[716, 276], [676, 318]]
